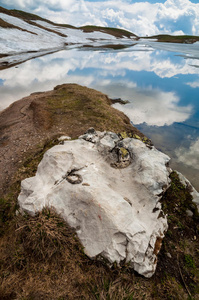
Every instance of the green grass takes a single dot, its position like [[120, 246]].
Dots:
[[189, 262]]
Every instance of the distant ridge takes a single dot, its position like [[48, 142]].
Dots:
[[117, 32], [30, 36]]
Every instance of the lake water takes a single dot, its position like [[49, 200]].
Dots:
[[160, 81]]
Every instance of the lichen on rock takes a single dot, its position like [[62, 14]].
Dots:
[[115, 210]]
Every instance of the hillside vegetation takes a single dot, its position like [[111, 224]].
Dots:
[[186, 39]]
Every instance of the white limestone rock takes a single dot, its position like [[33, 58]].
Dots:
[[108, 189], [64, 138]]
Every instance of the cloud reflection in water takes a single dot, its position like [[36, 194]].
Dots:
[[155, 83]]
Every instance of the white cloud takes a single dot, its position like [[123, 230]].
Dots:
[[155, 107], [189, 157], [194, 84], [142, 18]]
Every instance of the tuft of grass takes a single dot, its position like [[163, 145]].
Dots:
[[189, 262], [178, 199], [45, 235]]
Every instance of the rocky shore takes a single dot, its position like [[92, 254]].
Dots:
[[40, 251], [28, 124]]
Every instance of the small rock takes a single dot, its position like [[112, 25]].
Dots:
[[64, 138], [169, 255], [189, 213], [85, 184]]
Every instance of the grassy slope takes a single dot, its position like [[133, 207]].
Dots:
[[21, 14], [28, 17], [188, 39], [5, 24], [41, 257], [119, 33]]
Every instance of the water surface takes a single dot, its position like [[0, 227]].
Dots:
[[160, 81]]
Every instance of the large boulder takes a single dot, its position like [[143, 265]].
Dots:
[[108, 189]]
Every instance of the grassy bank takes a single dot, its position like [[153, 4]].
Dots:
[[186, 39]]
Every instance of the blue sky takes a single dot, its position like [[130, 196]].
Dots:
[[142, 17]]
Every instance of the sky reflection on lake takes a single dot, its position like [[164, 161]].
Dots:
[[162, 88]]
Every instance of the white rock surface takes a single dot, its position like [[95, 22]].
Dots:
[[108, 190]]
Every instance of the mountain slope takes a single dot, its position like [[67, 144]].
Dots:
[[22, 32], [24, 36]]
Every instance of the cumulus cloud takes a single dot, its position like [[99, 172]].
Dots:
[[155, 107], [189, 157], [142, 18], [102, 70], [194, 84]]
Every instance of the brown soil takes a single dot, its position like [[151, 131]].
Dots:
[[3, 55], [67, 110], [5, 24], [45, 28], [6, 64]]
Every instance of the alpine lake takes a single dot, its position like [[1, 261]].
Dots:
[[159, 82]]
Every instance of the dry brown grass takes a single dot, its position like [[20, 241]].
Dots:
[[45, 28], [118, 33], [5, 24], [79, 108], [165, 38], [41, 258]]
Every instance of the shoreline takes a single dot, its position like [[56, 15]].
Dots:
[[27, 124], [26, 109], [47, 248]]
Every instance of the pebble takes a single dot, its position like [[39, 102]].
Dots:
[[169, 255], [189, 213]]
